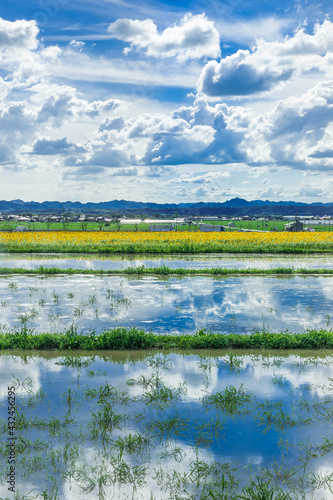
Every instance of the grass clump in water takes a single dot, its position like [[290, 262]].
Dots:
[[231, 400]]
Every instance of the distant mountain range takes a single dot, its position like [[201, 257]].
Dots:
[[235, 206]]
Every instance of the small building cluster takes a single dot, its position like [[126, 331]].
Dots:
[[295, 225], [210, 227]]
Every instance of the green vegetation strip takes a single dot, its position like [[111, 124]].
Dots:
[[134, 338], [165, 271]]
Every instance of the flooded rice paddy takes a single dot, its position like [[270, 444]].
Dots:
[[177, 426], [196, 261], [174, 305], [144, 425]]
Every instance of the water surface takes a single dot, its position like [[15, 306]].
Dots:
[[174, 305], [147, 423], [198, 261]]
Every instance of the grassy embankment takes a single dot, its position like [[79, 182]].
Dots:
[[167, 271], [134, 338]]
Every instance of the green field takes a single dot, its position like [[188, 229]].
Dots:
[[73, 226], [261, 225], [267, 225]]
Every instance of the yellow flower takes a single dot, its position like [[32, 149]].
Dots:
[[166, 242]]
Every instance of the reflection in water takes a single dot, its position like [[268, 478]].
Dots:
[[176, 305], [196, 261], [134, 425]]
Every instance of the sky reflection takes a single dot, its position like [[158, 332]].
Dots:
[[282, 383], [175, 305], [199, 261]]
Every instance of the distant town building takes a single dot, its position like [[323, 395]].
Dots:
[[164, 221], [210, 227], [130, 221], [296, 225]]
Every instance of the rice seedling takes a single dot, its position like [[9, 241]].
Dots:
[[161, 361], [280, 381], [107, 419], [49, 493], [225, 489], [76, 361], [200, 471], [301, 366], [53, 317], [133, 444], [92, 299], [272, 415], [178, 484], [233, 401], [36, 399], [99, 373], [176, 453], [206, 365], [23, 319], [233, 363], [78, 311], [209, 432], [321, 481], [71, 397], [28, 384], [260, 490], [107, 393], [169, 428], [161, 396]]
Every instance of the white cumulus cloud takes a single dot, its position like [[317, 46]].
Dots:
[[18, 35], [267, 64], [194, 38], [47, 146]]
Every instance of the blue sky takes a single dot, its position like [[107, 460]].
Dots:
[[166, 101]]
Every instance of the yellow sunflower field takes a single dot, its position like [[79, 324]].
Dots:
[[166, 242]]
